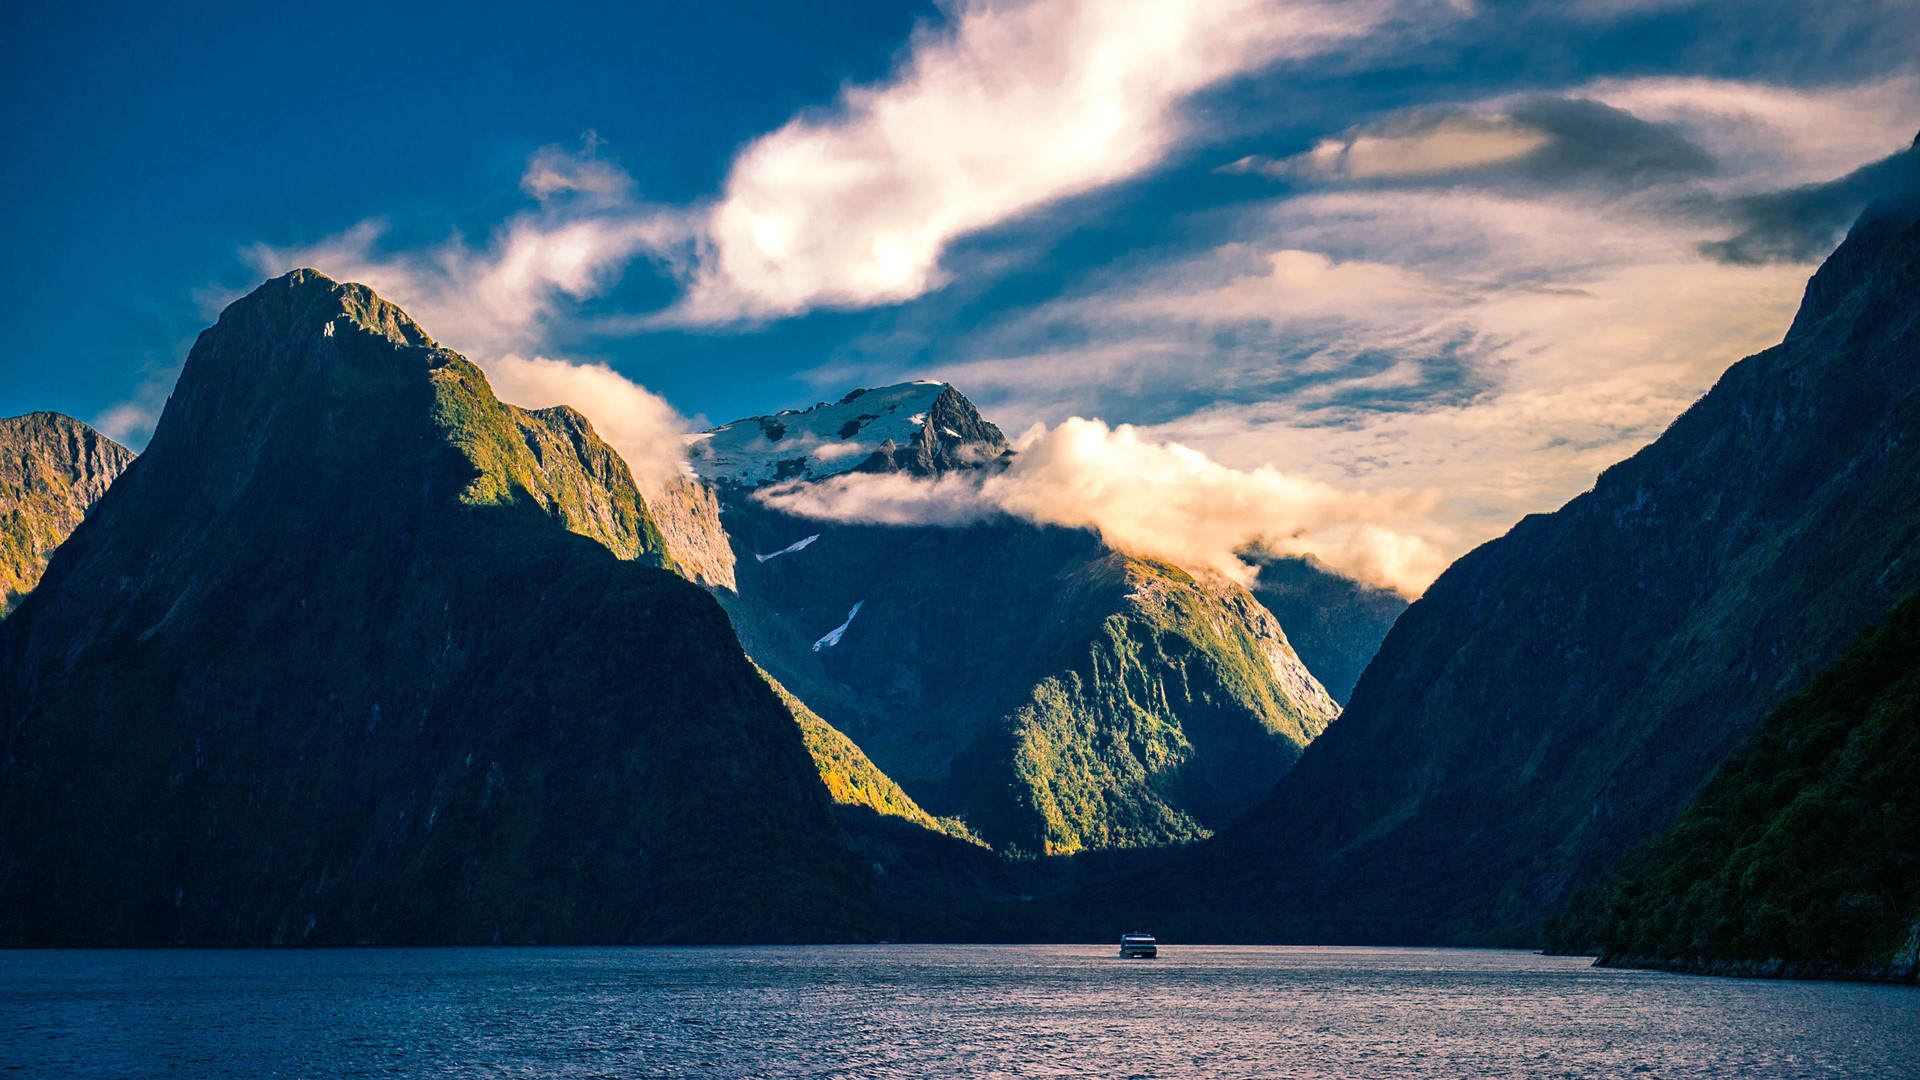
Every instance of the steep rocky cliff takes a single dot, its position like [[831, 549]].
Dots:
[[689, 517], [1057, 695], [355, 652], [1563, 690], [1335, 623], [53, 468]]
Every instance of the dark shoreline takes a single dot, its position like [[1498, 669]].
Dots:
[[1903, 973]]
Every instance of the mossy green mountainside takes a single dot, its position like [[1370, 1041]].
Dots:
[[1056, 695], [348, 655], [1802, 856], [852, 779], [53, 468], [1562, 691]]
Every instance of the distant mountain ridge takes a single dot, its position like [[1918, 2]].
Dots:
[[348, 655], [1335, 623], [1056, 694], [53, 468], [923, 428], [1563, 690]]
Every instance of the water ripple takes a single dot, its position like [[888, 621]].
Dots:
[[926, 1011]]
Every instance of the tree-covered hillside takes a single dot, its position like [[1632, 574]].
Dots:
[[352, 654], [1802, 855]]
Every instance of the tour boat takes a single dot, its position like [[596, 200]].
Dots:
[[1138, 946]]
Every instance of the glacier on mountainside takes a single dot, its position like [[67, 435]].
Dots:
[[797, 545], [833, 635]]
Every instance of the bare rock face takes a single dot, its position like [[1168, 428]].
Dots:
[[954, 436], [688, 514], [53, 468]]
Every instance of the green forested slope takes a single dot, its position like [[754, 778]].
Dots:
[[348, 655], [1802, 855], [1159, 710], [1057, 695], [851, 777]]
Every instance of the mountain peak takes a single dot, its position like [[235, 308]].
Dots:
[[924, 427], [318, 302], [345, 565]]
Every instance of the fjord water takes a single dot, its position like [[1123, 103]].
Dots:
[[934, 1011]]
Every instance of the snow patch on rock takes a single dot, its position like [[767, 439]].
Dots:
[[833, 636], [797, 545]]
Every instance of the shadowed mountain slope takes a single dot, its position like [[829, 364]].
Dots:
[[1335, 623], [1563, 690], [53, 468], [348, 656], [1802, 856]]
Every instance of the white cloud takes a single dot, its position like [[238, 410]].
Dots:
[[1155, 498], [1014, 105], [632, 419], [554, 171], [1450, 145], [1500, 345], [1010, 105], [501, 296], [1767, 137], [1507, 367]]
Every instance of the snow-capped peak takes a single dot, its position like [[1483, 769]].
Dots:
[[825, 440]]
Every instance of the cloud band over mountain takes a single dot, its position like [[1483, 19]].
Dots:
[[1473, 290]]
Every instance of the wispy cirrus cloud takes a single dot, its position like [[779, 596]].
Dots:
[[1492, 297], [501, 295], [1008, 107], [1499, 301], [505, 293]]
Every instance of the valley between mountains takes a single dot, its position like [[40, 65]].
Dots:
[[355, 651]]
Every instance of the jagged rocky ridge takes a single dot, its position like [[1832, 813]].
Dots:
[[53, 468], [1057, 695], [348, 655], [1562, 691], [923, 428]]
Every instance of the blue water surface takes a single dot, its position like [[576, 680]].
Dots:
[[925, 1011]]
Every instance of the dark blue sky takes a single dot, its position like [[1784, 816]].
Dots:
[[149, 143], [1474, 249]]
